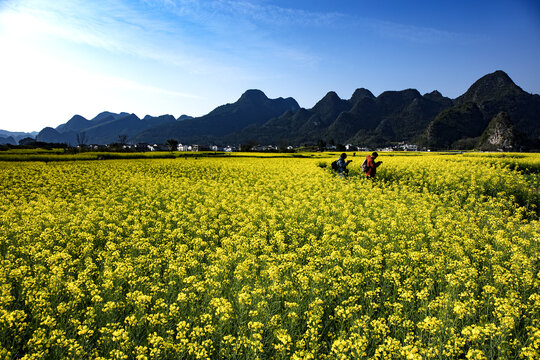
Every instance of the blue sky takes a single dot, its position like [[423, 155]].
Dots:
[[66, 57]]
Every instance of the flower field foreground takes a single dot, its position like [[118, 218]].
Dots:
[[248, 258]]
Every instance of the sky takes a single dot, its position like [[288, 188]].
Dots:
[[59, 58]]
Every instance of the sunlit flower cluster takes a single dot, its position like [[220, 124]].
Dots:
[[269, 258]]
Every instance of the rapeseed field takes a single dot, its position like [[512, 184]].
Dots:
[[270, 258]]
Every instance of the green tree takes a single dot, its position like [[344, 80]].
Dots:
[[172, 144]]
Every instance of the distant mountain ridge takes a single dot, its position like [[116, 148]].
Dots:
[[431, 119], [105, 128], [252, 108], [13, 137]]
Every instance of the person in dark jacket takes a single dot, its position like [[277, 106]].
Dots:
[[342, 170], [372, 165]]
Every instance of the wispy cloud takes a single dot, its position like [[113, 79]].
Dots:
[[113, 25], [249, 28], [71, 21], [243, 15], [276, 15], [415, 34], [232, 13], [121, 83]]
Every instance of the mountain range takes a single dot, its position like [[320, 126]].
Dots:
[[494, 107]]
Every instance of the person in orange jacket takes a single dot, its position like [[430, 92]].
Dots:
[[372, 165]]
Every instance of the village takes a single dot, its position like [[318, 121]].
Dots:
[[171, 146]]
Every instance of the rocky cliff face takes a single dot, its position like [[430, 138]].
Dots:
[[500, 134]]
